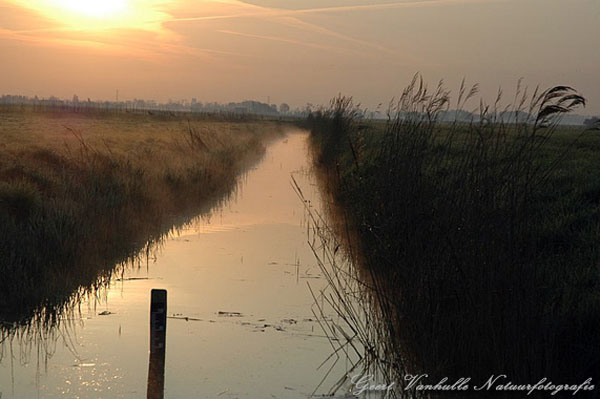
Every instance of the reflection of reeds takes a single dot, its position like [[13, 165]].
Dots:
[[344, 308], [478, 239], [68, 216]]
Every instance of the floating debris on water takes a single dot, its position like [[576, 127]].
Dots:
[[105, 313], [229, 314], [186, 318], [132, 278]]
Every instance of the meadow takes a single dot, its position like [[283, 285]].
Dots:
[[477, 241], [83, 192]]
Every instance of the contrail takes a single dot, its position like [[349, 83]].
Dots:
[[293, 21], [275, 12], [289, 17], [281, 39]]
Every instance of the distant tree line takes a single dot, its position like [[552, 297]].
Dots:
[[75, 104], [250, 107], [593, 121]]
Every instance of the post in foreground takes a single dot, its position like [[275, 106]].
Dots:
[[158, 331]]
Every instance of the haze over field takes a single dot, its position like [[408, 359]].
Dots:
[[293, 51]]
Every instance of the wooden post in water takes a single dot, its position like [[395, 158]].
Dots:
[[158, 331]]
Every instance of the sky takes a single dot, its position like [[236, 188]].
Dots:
[[294, 51]]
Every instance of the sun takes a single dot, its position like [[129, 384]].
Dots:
[[93, 8], [102, 16]]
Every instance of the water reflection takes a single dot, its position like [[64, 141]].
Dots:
[[242, 321]]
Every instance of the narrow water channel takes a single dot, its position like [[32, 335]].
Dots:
[[241, 319]]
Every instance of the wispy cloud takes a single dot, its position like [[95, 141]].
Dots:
[[293, 21], [141, 36], [138, 45], [153, 32], [34, 39], [236, 9], [147, 15], [281, 39], [257, 11]]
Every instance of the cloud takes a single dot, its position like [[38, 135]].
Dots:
[[292, 21], [280, 12], [141, 35], [148, 28], [236, 9], [146, 15], [282, 40], [136, 44]]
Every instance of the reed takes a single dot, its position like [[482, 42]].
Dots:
[[478, 240]]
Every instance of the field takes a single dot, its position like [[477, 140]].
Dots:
[[81, 193], [478, 242]]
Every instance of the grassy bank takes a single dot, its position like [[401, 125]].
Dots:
[[81, 193], [479, 241]]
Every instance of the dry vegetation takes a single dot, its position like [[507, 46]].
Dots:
[[79, 194]]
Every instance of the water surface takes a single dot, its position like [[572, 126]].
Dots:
[[241, 319]]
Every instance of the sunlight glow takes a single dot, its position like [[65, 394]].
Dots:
[[101, 15], [93, 8]]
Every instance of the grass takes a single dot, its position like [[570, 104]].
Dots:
[[479, 241], [80, 194]]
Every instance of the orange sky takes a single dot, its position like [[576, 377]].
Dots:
[[293, 51]]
